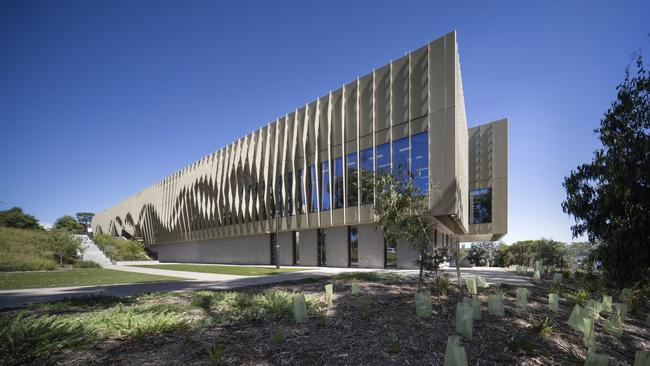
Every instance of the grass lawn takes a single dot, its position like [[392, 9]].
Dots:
[[75, 277], [228, 270]]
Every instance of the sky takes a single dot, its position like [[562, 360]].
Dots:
[[100, 99]]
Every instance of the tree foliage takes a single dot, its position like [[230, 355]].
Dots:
[[484, 253], [610, 196], [16, 218], [84, 218], [62, 244], [68, 223]]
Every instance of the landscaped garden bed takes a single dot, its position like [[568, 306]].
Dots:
[[255, 326]]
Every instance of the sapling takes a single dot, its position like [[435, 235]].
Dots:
[[522, 297], [597, 359], [607, 303], [455, 354], [495, 305], [423, 303], [642, 358], [329, 290], [299, 308], [553, 303], [464, 319]]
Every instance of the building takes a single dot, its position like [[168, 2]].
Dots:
[[411, 112]]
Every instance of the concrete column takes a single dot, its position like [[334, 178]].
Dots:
[[336, 246], [371, 247], [308, 248]]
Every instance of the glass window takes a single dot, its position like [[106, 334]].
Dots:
[[325, 186], [338, 182], [313, 192], [382, 158], [296, 248], [401, 157], [480, 203], [420, 160], [366, 176], [300, 198], [321, 241], [353, 192]]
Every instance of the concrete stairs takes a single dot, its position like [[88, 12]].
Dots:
[[92, 252]]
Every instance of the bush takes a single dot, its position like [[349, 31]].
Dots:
[[24, 250], [119, 249], [370, 276], [86, 264]]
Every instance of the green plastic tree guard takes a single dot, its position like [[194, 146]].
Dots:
[[557, 278], [597, 359], [455, 354], [647, 320], [588, 334], [554, 302], [423, 303], [495, 305], [625, 295], [355, 288], [607, 303], [471, 285], [594, 308], [572, 275], [642, 358], [299, 308], [329, 291], [464, 319], [522, 297], [613, 325], [475, 303], [536, 275], [575, 319], [622, 308], [481, 282]]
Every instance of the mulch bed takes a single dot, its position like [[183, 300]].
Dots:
[[379, 327]]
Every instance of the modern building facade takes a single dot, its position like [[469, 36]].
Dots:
[[306, 168]]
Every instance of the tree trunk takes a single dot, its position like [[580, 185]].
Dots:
[[460, 285], [61, 260], [421, 269]]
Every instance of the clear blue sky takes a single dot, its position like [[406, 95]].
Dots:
[[99, 99]]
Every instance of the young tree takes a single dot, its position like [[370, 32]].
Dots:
[[403, 214], [62, 244], [68, 223], [16, 218], [483, 253], [609, 197]]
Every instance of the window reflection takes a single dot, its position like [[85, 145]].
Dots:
[[325, 186], [353, 194]]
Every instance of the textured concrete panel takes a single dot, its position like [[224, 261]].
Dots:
[[254, 249], [286, 248], [406, 255], [336, 246], [308, 247], [371, 247]]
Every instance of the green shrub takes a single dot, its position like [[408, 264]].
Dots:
[[119, 249], [86, 264], [24, 250], [25, 339], [542, 326], [227, 307], [580, 296], [215, 353], [442, 284], [370, 276]]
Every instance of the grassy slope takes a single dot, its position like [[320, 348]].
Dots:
[[76, 277], [21, 250], [228, 270]]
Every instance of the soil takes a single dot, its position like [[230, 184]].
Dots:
[[380, 327]]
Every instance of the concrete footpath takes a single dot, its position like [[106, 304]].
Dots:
[[210, 281]]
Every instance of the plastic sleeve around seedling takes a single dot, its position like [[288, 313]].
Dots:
[[455, 354], [471, 285], [464, 319], [597, 359], [557, 278], [588, 334], [554, 302], [329, 292], [522, 297], [575, 319], [423, 303], [495, 305], [642, 358], [613, 324], [299, 308], [355, 288], [607, 303]]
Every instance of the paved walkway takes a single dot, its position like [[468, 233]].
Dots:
[[203, 281]]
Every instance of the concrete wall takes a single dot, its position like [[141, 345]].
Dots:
[[371, 247], [286, 248], [308, 246], [406, 255], [253, 249], [336, 246]]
